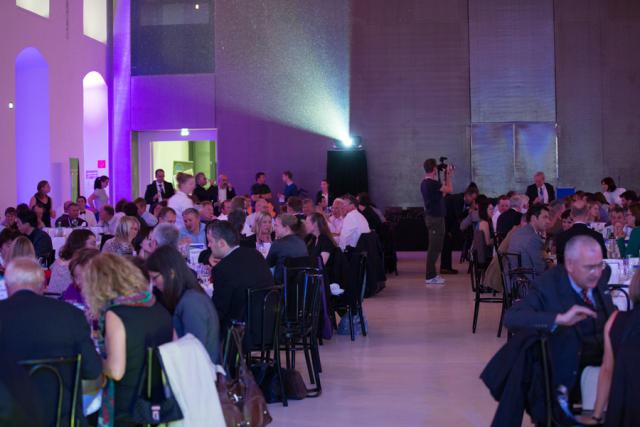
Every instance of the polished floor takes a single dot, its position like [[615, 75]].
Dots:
[[418, 366]]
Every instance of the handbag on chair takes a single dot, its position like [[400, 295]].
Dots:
[[242, 401], [147, 411]]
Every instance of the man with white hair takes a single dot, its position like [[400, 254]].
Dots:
[[27, 332], [337, 216], [165, 234], [571, 303], [518, 206], [540, 192]]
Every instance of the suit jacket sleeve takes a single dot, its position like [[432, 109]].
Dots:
[[551, 191], [168, 190], [529, 313], [231, 193], [91, 361], [532, 193], [223, 294], [194, 317], [149, 193], [534, 249]]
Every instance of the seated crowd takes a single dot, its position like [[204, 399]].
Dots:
[[561, 247], [123, 280]]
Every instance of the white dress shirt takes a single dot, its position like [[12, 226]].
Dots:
[[353, 226], [179, 202], [90, 218], [222, 194], [335, 224], [494, 218], [543, 193]]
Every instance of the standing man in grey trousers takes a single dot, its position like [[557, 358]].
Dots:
[[433, 192]]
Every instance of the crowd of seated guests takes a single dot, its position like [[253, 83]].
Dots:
[[122, 280]]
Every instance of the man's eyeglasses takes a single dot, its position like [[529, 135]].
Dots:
[[595, 267]]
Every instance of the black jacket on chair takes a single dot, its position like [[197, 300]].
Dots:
[[376, 277], [550, 295], [532, 192], [36, 327], [242, 269], [577, 229]]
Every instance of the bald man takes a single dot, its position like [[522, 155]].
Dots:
[[571, 303]]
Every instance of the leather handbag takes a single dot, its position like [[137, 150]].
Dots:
[[148, 411], [242, 401], [266, 376]]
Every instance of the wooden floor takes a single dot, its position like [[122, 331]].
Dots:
[[418, 366]]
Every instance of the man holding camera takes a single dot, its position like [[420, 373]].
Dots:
[[433, 192]]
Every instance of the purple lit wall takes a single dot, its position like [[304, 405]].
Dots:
[[95, 134], [32, 122], [120, 101]]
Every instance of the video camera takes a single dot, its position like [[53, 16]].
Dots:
[[442, 167]]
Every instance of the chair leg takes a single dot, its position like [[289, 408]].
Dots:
[[307, 358], [476, 309], [286, 355], [363, 327], [276, 357], [501, 320], [353, 335], [315, 356]]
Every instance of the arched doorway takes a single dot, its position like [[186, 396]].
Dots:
[[95, 130], [32, 122]]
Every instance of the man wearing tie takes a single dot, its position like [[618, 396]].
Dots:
[[158, 190], [540, 192]]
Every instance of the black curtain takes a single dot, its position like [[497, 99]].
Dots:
[[347, 172]]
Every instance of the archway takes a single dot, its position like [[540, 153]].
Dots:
[[32, 122], [95, 130]]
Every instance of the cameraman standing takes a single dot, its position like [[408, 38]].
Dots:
[[433, 192]]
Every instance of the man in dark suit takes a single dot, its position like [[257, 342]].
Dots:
[[158, 190], [527, 241], [570, 303], [540, 192], [28, 225], [579, 213], [222, 191], [36, 327], [240, 268], [518, 204]]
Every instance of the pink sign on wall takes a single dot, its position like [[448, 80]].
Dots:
[[102, 164]]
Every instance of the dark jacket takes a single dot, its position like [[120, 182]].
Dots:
[[231, 193], [290, 246], [577, 229], [515, 378], [42, 244], [36, 327], [550, 295], [376, 277], [152, 190], [506, 221], [532, 192], [242, 269]]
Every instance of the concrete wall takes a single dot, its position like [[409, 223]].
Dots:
[[70, 55]]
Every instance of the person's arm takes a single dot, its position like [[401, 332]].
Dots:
[[484, 227], [115, 340], [272, 256], [447, 187], [91, 200], [193, 314], [149, 197], [223, 293], [32, 202], [606, 370]]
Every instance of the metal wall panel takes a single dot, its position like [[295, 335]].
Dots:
[[511, 48], [492, 157]]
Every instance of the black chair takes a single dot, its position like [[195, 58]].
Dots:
[[624, 289], [300, 315], [515, 281], [351, 301], [263, 330], [52, 366], [482, 293]]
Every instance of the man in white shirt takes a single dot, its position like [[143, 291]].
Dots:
[[540, 192], [337, 216], [261, 206], [501, 206], [225, 210], [354, 223], [87, 216]]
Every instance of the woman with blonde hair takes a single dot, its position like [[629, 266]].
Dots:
[[21, 247], [181, 201], [130, 321], [126, 230], [262, 228]]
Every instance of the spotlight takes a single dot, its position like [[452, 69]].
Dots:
[[11, 105], [184, 132], [197, 6], [349, 142]]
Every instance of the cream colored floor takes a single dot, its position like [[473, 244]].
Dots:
[[418, 366]]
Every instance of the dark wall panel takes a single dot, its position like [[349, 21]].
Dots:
[[409, 91]]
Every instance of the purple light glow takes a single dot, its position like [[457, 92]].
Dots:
[[32, 122], [121, 102]]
